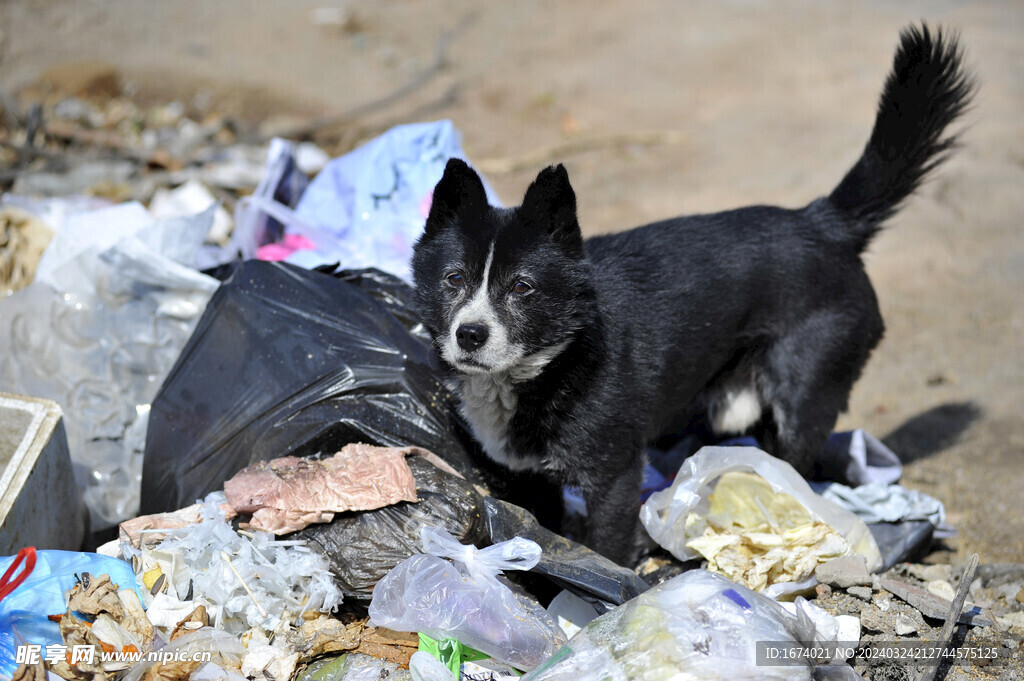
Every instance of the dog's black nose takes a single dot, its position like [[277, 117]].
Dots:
[[471, 336]]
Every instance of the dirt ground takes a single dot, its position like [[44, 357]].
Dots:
[[773, 100]]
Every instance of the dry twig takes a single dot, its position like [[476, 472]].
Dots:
[[946, 635]]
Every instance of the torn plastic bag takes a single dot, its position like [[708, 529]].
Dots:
[[698, 625], [464, 599], [902, 521], [753, 517], [363, 547], [876, 502], [289, 362], [571, 565]]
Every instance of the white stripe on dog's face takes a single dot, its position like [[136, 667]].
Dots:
[[497, 352]]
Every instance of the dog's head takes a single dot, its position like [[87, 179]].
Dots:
[[501, 290]]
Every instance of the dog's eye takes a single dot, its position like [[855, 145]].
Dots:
[[456, 280], [522, 288]]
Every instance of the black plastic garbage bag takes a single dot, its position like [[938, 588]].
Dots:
[[287, 361], [363, 547], [572, 566]]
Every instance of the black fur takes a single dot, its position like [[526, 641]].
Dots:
[[926, 91], [662, 323]]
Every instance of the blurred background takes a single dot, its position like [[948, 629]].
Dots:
[[656, 108]]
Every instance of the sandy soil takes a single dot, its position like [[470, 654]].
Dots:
[[774, 100]]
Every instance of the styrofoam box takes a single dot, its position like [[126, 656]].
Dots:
[[40, 505]]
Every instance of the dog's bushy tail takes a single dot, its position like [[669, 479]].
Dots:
[[927, 90]]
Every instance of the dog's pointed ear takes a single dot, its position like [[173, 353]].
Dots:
[[459, 193], [551, 202]]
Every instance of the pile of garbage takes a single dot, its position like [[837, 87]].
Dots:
[[386, 562], [289, 492]]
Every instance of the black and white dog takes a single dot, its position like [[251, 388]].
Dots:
[[570, 355]]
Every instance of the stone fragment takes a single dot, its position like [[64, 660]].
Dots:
[[942, 589], [934, 606], [874, 619], [861, 592], [844, 572]]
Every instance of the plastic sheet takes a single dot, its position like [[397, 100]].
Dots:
[[666, 514], [696, 626], [113, 302], [364, 547], [289, 362], [464, 599]]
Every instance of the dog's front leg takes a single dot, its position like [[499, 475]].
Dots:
[[613, 513]]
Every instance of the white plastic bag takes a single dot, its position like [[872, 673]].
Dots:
[[465, 600], [666, 514], [698, 625], [425, 667]]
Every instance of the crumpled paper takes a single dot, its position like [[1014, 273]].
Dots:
[[287, 494]]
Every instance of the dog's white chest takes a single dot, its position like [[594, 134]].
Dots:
[[488, 404]]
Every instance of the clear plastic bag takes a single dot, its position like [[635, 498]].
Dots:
[[674, 516], [698, 625], [464, 599], [114, 300]]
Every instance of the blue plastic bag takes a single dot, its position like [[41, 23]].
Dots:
[[372, 202], [24, 612]]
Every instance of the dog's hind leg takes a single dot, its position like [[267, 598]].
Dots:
[[807, 378]]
